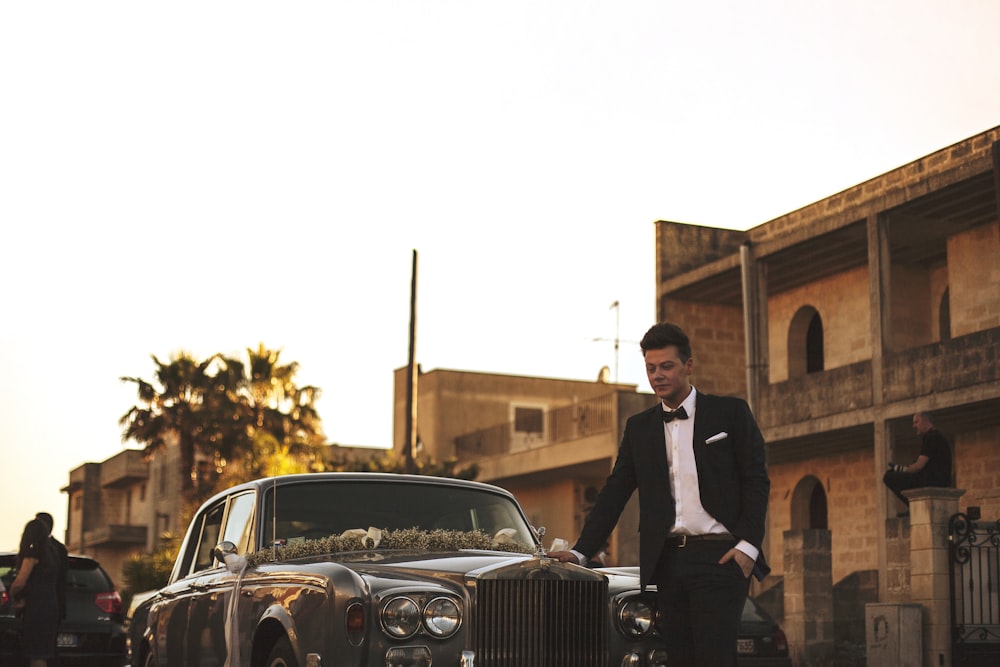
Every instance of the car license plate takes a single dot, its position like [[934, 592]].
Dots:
[[65, 640], [745, 646]]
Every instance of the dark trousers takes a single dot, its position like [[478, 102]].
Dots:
[[700, 603], [904, 481]]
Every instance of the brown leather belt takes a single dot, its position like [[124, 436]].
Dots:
[[681, 541]]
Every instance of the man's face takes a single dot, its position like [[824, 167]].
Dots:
[[920, 424], [669, 377]]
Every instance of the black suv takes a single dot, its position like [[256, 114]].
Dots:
[[92, 633]]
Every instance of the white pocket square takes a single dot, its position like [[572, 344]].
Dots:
[[718, 436]]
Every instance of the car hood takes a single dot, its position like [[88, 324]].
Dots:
[[457, 566]]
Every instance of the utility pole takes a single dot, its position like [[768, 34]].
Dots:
[[411, 377]]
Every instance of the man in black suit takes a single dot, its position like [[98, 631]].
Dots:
[[698, 462]]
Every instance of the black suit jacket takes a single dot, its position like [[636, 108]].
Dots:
[[732, 478]]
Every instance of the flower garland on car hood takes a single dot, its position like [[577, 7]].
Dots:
[[410, 539]]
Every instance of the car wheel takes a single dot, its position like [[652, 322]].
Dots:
[[281, 655]]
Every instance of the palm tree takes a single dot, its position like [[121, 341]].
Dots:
[[173, 407], [247, 420], [282, 427]]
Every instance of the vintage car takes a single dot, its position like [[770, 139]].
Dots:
[[389, 570]]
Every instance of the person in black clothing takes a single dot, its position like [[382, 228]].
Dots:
[[62, 562], [931, 468], [35, 595]]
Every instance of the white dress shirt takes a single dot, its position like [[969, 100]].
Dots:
[[691, 517]]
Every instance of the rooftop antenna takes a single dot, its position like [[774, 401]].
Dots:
[[616, 340], [617, 308]]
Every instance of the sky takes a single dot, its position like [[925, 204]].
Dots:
[[205, 177]]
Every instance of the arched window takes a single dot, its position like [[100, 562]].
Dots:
[[809, 509], [814, 345], [944, 316], [805, 343]]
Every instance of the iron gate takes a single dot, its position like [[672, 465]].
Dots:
[[974, 573]]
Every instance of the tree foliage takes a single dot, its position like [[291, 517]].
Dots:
[[343, 461], [232, 420], [147, 572]]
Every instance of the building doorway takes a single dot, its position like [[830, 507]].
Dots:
[[809, 507]]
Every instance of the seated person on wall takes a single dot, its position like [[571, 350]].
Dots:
[[931, 468]]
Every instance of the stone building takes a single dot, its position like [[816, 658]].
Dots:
[[840, 320], [836, 322], [110, 506], [551, 442]]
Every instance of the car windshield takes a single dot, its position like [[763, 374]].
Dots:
[[314, 510]]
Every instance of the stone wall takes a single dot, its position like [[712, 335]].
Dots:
[[955, 364], [977, 468], [975, 279], [817, 394], [808, 621], [842, 303], [716, 334], [911, 307], [897, 575], [849, 481], [691, 246]]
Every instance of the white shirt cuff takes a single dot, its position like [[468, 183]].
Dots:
[[748, 549]]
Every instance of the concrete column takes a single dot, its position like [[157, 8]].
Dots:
[[883, 433], [879, 301], [808, 583], [930, 510], [895, 585], [754, 282]]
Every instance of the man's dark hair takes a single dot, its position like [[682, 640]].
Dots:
[[46, 520], [664, 335]]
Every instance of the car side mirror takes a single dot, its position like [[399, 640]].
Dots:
[[223, 549]]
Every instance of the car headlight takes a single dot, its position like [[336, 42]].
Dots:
[[401, 617], [442, 617], [635, 617]]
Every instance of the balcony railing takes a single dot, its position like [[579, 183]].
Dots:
[[964, 361], [571, 422], [816, 395], [124, 469], [112, 535], [961, 362]]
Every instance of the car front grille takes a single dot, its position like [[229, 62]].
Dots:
[[541, 622]]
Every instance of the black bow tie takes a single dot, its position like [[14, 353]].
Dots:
[[679, 413]]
